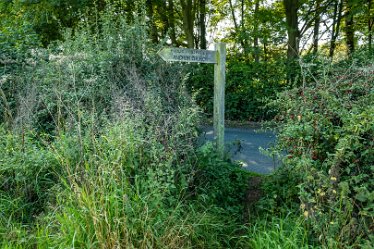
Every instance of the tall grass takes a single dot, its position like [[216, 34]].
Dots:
[[102, 153], [287, 232], [118, 189]]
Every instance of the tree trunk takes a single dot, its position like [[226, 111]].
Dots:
[[188, 21], [370, 25], [238, 32], [349, 27], [291, 7], [165, 19], [171, 16], [317, 19], [265, 51], [338, 8], [255, 33], [202, 9], [233, 16], [154, 33], [243, 32]]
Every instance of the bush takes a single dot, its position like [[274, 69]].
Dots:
[[248, 87], [327, 130], [220, 183]]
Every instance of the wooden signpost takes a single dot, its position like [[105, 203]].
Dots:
[[218, 58]]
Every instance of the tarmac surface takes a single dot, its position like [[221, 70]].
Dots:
[[244, 146]]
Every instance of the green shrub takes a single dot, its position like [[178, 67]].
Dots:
[[248, 87], [327, 130], [220, 183]]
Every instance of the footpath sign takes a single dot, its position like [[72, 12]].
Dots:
[[188, 55], [218, 58]]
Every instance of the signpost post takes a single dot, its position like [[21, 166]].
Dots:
[[219, 98], [218, 58]]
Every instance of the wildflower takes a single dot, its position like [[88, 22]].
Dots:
[[306, 214]]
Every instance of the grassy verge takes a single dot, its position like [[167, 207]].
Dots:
[[288, 232]]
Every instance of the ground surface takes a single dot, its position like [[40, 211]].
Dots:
[[244, 145]]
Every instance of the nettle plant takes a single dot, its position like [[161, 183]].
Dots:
[[327, 130]]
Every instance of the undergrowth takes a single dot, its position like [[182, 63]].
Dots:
[[326, 130], [98, 150]]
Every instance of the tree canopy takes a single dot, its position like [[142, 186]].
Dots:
[[257, 29]]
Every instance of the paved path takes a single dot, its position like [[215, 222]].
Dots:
[[244, 145]]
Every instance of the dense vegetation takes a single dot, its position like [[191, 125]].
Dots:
[[101, 152], [327, 128], [99, 137], [265, 38]]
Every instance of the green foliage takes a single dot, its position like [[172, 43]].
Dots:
[[98, 140], [285, 232], [109, 160], [46, 19], [27, 172], [279, 197], [121, 188], [218, 182], [248, 87], [119, 191], [327, 131], [88, 78]]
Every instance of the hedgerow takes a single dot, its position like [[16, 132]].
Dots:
[[327, 132]]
